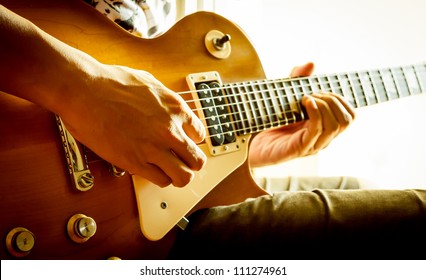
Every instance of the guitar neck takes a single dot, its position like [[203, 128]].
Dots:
[[260, 105]]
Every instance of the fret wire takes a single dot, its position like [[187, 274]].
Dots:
[[361, 87], [402, 81], [311, 83], [339, 78], [296, 86], [410, 90], [253, 109], [321, 85], [284, 104], [260, 103], [410, 74], [266, 107], [390, 87], [373, 83], [421, 81], [253, 120], [353, 91], [298, 98], [359, 90], [395, 82], [290, 117], [275, 107], [331, 84], [384, 85], [367, 89], [371, 75], [373, 86], [240, 106]]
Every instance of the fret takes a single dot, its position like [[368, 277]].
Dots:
[[420, 70], [364, 101], [290, 102], [346, 89], [257, 105], [357, 89], [306, 89], [255, 118], [278, 116], [238, 109], [263, 100], [374, 86], [333, 80], [412, 81], [400, 81], [284, 102], [250, 105], [389, 83], [298, 94], [323, 83], [352, 88], [314, 84], [368, 88], [377, 79]]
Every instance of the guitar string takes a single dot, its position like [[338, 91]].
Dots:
[[376, 72], [274, 97], [417, 72], [329, 85], [286, 120], [263, 118]]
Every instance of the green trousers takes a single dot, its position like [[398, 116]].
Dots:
[[315, 224]]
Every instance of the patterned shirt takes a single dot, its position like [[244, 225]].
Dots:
[[144, 18]]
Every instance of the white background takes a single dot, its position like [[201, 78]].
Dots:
[[386, 145]]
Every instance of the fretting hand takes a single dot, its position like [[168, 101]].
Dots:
[[329, 115]]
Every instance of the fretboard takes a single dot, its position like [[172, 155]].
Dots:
[[259, 105]]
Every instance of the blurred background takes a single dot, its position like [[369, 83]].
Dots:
[[386, 145]]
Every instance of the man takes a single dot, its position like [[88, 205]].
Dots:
[[132, 107]]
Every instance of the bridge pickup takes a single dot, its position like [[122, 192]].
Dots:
[[78, 168], [214, 110]]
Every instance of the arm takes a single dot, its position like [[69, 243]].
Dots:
[[150, 129], [329, 115]]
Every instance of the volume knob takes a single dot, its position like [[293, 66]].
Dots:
[[80, 228], [20, 241]]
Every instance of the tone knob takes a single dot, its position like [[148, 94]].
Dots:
[[81, 228], [20, 241]]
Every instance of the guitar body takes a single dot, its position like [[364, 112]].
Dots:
[[36, 192]]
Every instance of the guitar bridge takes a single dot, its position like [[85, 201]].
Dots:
[[209, 96], [78, 168]]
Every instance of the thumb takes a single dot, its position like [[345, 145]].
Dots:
[[303, 70]]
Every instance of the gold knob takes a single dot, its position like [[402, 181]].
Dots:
[[113, 258], [20, 241], [80, 228]]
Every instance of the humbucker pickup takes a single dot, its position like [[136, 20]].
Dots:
[[214, 110]]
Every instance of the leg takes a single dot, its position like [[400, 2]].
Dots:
[[318, 224]]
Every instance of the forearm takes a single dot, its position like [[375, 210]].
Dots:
[[38, 67]]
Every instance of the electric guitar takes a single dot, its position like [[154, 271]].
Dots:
[[59, 200]]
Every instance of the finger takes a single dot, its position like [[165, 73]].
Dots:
[[303, 70], [340, 112], [349, 108], [314, 128], [189, 153], [194, 128], [178, 172], [330, 124], [153, 174]]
